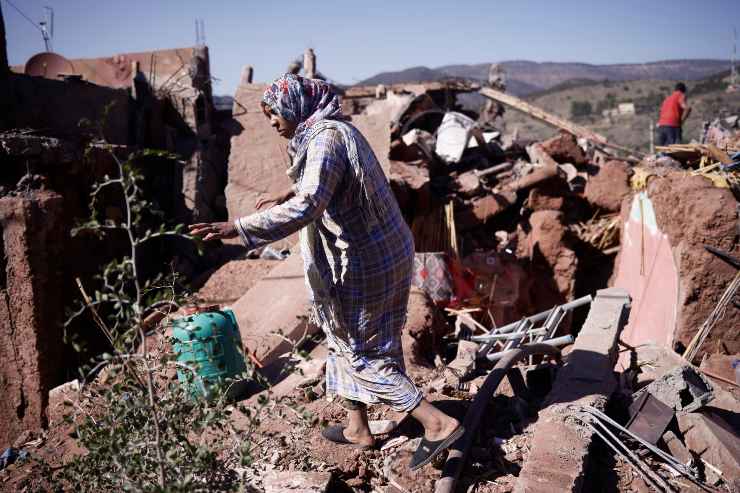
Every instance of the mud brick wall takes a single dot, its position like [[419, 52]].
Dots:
[[5, 106], [30, 310]]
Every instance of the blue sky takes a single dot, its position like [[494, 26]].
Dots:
[[354, 40]]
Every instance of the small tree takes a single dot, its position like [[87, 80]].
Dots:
[[139, 426]]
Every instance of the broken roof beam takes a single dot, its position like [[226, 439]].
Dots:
[[368, 91], [549, 118]]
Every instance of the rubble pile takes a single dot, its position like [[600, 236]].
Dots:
[[574, 303]]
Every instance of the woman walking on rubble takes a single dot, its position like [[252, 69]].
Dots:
[[358, 256]]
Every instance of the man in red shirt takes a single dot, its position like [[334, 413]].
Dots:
[[673, 112]]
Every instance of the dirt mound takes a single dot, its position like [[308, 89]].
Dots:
[[693, 213]]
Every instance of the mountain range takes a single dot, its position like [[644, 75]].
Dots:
[[526, 77]]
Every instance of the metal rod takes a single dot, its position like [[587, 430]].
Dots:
[[663, 455], [459, 450], [622, 454], [672, 461], [537, 317], [655, 477], [558, 341], [499, 337]]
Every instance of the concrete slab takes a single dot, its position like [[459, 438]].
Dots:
[[559, 450], [274, 311]]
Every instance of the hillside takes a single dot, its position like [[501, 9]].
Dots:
[[584, 102], [525, 77]]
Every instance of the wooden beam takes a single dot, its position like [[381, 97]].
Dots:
[[549, 118]]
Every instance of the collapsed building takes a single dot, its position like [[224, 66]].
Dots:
[[62, 124], [574, 267]]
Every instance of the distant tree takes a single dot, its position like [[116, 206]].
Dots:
[[580, 109]]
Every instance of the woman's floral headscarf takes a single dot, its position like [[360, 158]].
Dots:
[[304, 102]]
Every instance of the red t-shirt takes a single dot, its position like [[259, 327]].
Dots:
[[671, 111]]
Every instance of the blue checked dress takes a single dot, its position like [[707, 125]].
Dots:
[[366, 266]]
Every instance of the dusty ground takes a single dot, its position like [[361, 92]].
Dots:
[[230, 281], [289, 438]]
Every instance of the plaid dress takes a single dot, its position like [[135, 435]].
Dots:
[[365, 265]]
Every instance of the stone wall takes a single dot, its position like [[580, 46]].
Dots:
[[5, 100], [30, 309]]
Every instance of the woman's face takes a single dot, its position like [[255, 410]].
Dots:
[[283, 127]]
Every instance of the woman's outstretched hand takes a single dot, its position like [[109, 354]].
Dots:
[[213, 231], [275, 199]]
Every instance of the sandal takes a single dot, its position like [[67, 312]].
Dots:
[[428, 450], [336, 434]]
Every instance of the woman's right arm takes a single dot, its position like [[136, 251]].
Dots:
[[325, 166]]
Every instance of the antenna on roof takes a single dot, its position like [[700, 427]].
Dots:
[[200, 32], [47, 27]]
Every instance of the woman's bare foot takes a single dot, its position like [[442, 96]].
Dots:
[[358, 429], [437, 425], [359, 436]]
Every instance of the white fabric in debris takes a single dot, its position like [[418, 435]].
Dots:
[[453, 136]]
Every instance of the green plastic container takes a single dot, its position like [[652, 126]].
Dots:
[[209, 350]]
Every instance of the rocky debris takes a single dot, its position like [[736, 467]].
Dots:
[[546, 245], [608, 185], [479, 211], [303, 482], [423, 332], [682, 389], [564, 148]]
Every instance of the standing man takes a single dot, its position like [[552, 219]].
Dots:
[[673, 112]]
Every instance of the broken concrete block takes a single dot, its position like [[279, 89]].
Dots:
[[59, 399], [273, 310], [258, 157], [682, 389], [302, 482], [609, 185], [711, 438], [721, 365]]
